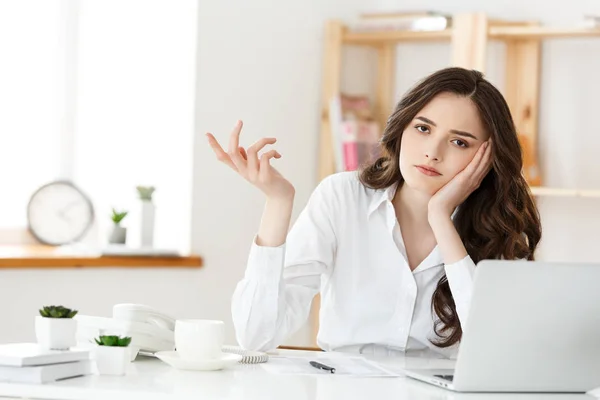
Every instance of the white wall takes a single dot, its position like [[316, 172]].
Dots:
[[258, 63]]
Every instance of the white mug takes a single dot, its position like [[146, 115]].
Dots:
[[199, 339]]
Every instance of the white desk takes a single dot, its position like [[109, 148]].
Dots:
[[149, 378]]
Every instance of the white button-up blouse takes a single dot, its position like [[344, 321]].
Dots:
[[346, 245]]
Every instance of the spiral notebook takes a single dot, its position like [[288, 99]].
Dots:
[[248, 357]]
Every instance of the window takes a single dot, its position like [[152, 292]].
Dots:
[[103, 95], [30, 102]]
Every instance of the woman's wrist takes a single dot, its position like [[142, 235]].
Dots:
[[275, 221], [438, 217], [447, 238], [284, 198]]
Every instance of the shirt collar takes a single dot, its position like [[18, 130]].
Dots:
[[381, 196]]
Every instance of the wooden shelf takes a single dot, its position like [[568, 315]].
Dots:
[[494, 32], [394, 36], [558, 192], [539, 32], [49, 257]]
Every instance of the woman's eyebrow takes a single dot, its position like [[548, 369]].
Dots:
[[455, 131]]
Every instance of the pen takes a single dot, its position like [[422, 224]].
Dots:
[[324, 367]]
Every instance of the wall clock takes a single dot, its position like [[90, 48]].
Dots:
[[59, 213]]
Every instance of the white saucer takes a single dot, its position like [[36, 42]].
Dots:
[[174, 359]]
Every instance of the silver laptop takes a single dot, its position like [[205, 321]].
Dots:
[[533, 327]]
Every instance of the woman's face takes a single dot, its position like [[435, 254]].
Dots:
[[440, 142]]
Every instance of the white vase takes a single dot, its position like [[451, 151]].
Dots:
[[112, 360], [147, 224], [118, 235], [55, 333]]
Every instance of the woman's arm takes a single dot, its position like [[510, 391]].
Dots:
[[273, 299], [459, 267], [275, 221], [281, 279], [447, 238]]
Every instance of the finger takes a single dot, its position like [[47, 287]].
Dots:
[[253, 152], [220, 153], [489, 157], [234, 144], [486, 160], [476, 161], [485, 165], [264, 161], [243, 152]]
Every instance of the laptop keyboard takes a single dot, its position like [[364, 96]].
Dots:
[[446, 377]]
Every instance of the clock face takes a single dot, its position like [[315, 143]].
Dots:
[[59, 213]]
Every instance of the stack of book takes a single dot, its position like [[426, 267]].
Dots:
[[355, 133], [425, 20], [29, 363]]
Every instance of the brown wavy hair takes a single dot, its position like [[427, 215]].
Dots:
[[499, 220]]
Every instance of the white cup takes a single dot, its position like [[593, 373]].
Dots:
[[199, 339]]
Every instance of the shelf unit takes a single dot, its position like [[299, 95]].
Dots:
[[469, 37]]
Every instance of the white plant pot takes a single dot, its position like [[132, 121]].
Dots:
[[55, 333], [147, 223], [118, 235], [112, 360]]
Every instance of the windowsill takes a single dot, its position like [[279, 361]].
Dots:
[[37, 256]]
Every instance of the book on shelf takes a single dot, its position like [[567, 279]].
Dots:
[[355, 134], [31, 354], [45, 373], [401, 21]]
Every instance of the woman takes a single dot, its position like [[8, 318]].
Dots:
[[391, 249]]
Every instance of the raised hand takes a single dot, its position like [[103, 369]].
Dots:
[[255, 168]]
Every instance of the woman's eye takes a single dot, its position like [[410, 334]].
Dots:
[[422, 128], [460, 143]]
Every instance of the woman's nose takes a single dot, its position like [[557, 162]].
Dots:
[[433, 154]]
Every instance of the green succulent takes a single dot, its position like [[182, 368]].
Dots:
[[145, 192], [113, 341], [117, 217], [57, 312]]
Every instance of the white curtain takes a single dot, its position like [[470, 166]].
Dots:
[[30, 103]]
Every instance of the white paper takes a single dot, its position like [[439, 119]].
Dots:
[[346, 366]]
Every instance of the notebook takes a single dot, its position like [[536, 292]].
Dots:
[[28, 354], [45, 373], [248, 357]]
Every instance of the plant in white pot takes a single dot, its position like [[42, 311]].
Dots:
[[118, 234], [112, 354], [147, 215], [55, 328]]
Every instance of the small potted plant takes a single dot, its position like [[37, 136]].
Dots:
[[55, 328], [112, 354], [147, 215], [119, 233]]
